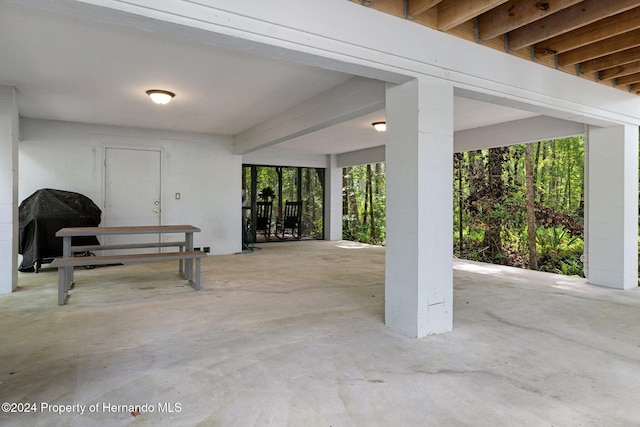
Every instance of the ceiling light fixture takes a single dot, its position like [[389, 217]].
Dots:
[[379, 126], [160, 96]]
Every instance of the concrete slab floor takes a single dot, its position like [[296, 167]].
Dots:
[[293, 335]]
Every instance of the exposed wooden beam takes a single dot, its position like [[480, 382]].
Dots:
[[452, 13], [429, 18], [627, 80], [619, 71], [601, 37], [392, 7], [635, 88], [417, 7], [515, 14], [601, 48], [579, 15], [611, 60], [597, 31]]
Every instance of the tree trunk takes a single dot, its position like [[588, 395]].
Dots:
[[459, 157], [476, 179], [345, 192], [367, 190], [310, 202], [372, 228], [350, 205], [531, 214], [569, 174], [495, 198], [541, 171], [552, 193], [353, 202]]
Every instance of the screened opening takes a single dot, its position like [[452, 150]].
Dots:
[[282, 203]]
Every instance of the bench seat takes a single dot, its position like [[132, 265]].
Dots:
[[65, 265], [128, 246], [89, 248]]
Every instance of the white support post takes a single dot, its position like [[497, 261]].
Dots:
[[333, 200], [419, 165], [8, 189], [611, 225]]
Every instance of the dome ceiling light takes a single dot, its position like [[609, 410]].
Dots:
[[379, 126], [160, 96]]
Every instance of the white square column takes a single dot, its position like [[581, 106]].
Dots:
[[333, 200], [8, 189], [611, 220], [419, 165]]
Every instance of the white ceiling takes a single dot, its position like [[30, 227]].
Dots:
[[72, 69]]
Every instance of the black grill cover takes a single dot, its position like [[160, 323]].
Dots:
[[45, 212]]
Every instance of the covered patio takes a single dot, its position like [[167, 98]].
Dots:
[[294, 335], [298, 84]]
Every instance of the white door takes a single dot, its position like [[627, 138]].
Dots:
[[132, 192]]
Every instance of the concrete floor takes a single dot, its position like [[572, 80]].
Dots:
[[293, 335]]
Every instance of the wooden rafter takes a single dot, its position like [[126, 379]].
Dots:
[[595, 50], [579, 15], [600, 37], [635, 88], [619, 71], [610, 60], [627, 80], [417, 7], [452, 13], [392, 7], [515, 14], [605, 28]]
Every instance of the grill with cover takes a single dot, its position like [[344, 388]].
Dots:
[[45, 212]]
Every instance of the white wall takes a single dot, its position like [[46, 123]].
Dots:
[[202, 168]]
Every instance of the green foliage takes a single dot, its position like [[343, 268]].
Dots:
[[556, 240], [558, 176], [558, 171], [364, 198], [559, 251]]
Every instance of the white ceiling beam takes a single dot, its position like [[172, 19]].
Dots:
[[522, 131], [361, 157], [354, 98], [533, 129]]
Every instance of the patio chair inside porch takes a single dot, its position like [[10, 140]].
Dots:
[[290, 220]]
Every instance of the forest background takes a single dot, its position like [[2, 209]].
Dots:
[[521, 205]]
